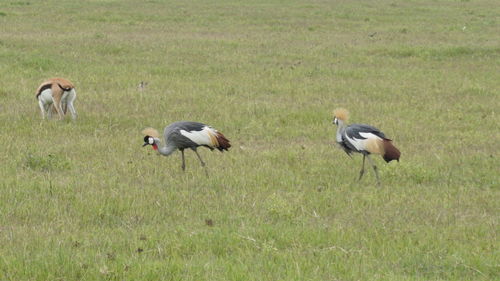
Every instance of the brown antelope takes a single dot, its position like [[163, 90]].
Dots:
[[56, 94]]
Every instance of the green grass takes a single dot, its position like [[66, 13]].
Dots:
[[83, 201]]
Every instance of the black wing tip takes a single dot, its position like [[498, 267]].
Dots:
[[221, 149], [387, 159]]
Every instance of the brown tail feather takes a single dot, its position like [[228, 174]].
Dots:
[[223, 142], [391, 152]]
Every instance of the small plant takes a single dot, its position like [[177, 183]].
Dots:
[[414, 172], [46, 163], [3, 93], [278, 206], [20, 3]]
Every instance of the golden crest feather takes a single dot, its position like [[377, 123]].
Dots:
[[341, 114], [151, 132]]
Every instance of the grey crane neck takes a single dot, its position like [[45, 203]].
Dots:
[[165, 150], [340, 131]]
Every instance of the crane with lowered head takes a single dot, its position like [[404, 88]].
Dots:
[[183, 135]]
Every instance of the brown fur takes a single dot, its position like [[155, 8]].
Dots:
[[391, 152], [341, 114], [58, 86], [223, 143], [55, 84]]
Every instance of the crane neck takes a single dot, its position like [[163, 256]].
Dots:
[[164, 150], [340, 130]]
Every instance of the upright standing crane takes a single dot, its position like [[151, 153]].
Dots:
[[363, 139]]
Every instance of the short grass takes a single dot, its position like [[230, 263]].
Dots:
[[83, 201]]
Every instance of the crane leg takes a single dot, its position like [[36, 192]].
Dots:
[[183, 161], [362, 172], [374, 169], [202, 163]]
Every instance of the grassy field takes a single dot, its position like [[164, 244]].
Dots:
[[83, 201]]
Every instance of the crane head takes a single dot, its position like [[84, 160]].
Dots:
[[149, 140], [340, 114], [150, 137]]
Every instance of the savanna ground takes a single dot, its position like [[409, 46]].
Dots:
[[83, 201]]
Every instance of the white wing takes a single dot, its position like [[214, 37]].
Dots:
[[363, 144], [202, 137]]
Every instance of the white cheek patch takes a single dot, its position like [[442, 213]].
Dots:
[[335, 121], [151, 141]]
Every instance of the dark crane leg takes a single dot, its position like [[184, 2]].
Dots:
[[374, 169], [361, 173], [201, 161], [183, 161]]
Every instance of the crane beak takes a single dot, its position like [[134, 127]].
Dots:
[[145, 144]]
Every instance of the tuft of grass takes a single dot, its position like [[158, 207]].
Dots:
[[3, 93], [46, 163], [280, 207], [441, 53], [20, 3], [39, 63]]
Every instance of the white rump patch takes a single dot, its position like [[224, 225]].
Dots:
[[46, 96], [200, 137]]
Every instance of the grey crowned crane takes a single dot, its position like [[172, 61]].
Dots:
[[363, 139], [185, 134]]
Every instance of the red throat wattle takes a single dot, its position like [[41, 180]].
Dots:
[[155, 147]]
